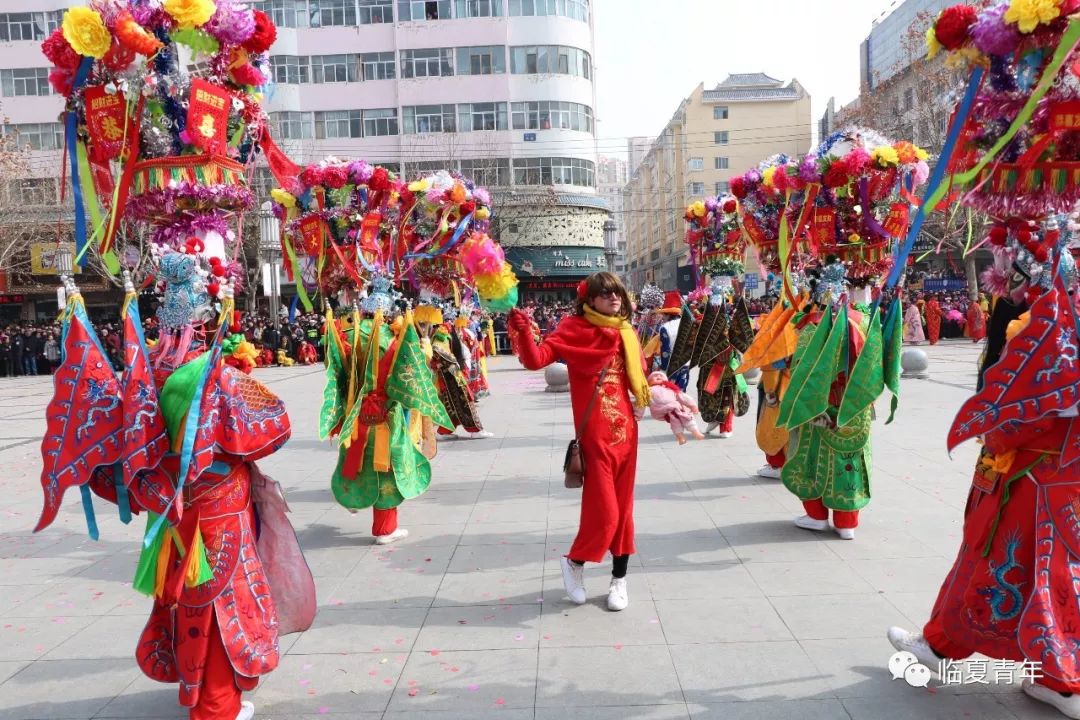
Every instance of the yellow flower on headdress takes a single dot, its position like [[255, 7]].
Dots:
[[283, 198], [85, 31], [482, 213], [921, 154], [419, 186], [768, 175], [885, 156], [1029, 14], [933, 47], [190, 13], [697, 208]]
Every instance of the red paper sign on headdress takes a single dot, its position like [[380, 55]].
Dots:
[[208, 116], [106, 122]]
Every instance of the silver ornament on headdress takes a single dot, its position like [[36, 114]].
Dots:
[[380, 296], [185, 301], [651, 297], [833, 283]]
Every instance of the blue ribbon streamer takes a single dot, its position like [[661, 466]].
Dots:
[[937, 177], [71, 139], [123, 500], [458, 233], [88, 510]]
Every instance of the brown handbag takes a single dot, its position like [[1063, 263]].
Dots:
[[574, 462]]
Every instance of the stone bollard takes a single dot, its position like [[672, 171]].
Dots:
[[752, 377], [914, 363], [557, 378]]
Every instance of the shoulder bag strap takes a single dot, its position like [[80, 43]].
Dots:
[[592, 400]]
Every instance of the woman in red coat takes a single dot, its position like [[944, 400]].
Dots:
[[603, 357], [933, 319]]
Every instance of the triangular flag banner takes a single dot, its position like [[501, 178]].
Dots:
[[85, 420], [410, 383], [891, 353], [813, 400], [867, 380], [802, 365], [333, 412], [1037, 374], [145, 438], [684, 341], [741, 329]]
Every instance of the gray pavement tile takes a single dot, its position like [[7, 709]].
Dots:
[[144, 698], [498, 558], [122, 632], [801, 709], [921, 704], [666, 551], [467, 680], [31, 638], [9, 668], [612, 675], [915, 606], [388, 588], [496, 714], [64, 689], [564, 624], [714, 620], [635, 712], [349, 631], [504, 627], [728, 672], [821, 617], [904, 574], [510, 587], [79, 597], [828, 577], [341, 683], [693, 582], [506, 533]]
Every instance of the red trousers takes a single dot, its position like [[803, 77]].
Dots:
[[777, 460], [728, 423], [384, 521], [219, 697], [607, 500], [841, 519]]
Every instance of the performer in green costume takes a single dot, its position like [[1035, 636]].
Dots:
[[372, 390]]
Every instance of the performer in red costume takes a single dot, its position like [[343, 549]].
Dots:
[[603, 356], [933, 320]]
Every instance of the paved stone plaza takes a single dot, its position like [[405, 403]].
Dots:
[[734, 613]]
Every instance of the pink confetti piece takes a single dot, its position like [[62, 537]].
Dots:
[[304, 682], [387, 681], [500, 701], [412, 682], [618, 647], [474, 688], [323, 710], [308, 666], [373, 673], [519, 638], [434, 653]]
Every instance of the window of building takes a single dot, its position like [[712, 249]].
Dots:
[[20, 82], [378, 66], [909, 98], [373, 12], [723, 187], [262, 182], [332, 13], [720, 138], [33, 191], [29, 25], [576, 9], [428, 119], [380, 122], [37, 136], [720, 163], [548, 114], [696, 188], [284, 13], [335, 68], [487, 172], [290, 69], [429, 10], [428, 167], [428, 62], [482, 60], [477, 8], [482, 116], [557, 171], [332, 124], [294, 125], [695, 163], [720, 112], [550, 59]]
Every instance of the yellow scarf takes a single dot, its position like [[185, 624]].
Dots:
[[639, 385]]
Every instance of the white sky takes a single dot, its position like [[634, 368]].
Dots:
[[650, 54]]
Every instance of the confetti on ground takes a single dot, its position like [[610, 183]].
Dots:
[[434, 653], [474, 688], [414, 692], [500, 701]]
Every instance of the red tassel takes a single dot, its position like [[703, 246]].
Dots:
[[284, 170]]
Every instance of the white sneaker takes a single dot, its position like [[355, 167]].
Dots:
[[573, 578], [1069, 706], [808, 523], [845, 533], [725, 435], [617, 598], [479, 435], [768, 471], [915, 644], [711, 426], [247, 711], [399, 534]]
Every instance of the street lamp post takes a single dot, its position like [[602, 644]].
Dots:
[[610, 249], [269, 232], [64, 268]]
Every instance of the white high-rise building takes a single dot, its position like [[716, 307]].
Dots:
[[502, 90]]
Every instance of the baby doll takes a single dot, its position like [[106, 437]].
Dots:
[[672, 405]]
